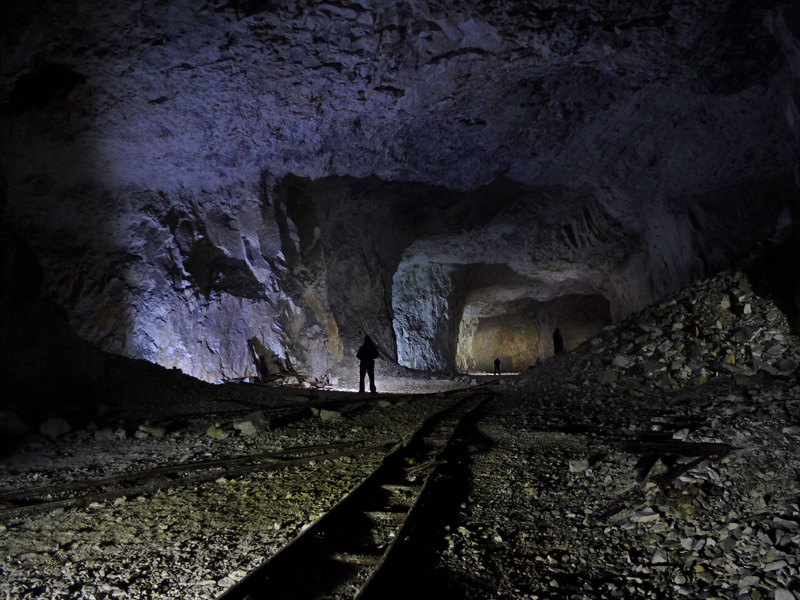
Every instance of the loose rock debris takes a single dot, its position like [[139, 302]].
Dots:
[[658, 460], [181, 542], [709, 389]]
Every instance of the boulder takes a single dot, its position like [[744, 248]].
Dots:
[[55, 427]]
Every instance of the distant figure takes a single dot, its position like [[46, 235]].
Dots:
[[367, 355], [538, 361], [558, 342], [497, 365]]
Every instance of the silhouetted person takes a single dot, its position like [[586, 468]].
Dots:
[[558, 342], [497, 365], [538, 361], [367, 355]]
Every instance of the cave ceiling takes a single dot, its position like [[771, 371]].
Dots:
[[200, 179]]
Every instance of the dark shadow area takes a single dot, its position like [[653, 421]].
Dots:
[[774, 274], [248, 8], [44, 367], [214, 271], [39, 87], [47, 371]]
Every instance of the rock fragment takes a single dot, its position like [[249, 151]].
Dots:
[[153, 430], [330, 415], [215, 433], [245, 428], [54, 427], [12, 426], [647, 515]]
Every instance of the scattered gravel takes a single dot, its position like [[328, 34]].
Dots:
[[185, 542], [569, 518], [563, 503]]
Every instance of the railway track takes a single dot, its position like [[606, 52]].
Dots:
[[350, 552], [31, 501], [38, 500]]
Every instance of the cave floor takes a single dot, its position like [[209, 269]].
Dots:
[[547, 505], [605, 473]]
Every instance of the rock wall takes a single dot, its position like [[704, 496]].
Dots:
[[232, 188], [186, 282], [521, 331], [542, 244], [427, 309]]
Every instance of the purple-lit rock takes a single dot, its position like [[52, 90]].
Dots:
[[213, 186]]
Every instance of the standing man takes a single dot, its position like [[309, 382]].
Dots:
[[367, 355], [497, 365]]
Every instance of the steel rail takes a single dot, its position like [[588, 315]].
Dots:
[[151, 480], [338, 555], [132, 476]]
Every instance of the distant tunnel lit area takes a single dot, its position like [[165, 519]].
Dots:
[[527, 329]]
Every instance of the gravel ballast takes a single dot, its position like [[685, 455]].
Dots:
[[564, 497]]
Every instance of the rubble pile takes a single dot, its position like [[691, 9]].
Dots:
[[720, 327], [659, 460]]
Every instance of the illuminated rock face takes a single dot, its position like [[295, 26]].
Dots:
[[207, 185], [519, 332]]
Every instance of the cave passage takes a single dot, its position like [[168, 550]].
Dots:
[[519, 331], [237, 192]]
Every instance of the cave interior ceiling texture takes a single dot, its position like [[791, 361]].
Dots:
[[215, 185]]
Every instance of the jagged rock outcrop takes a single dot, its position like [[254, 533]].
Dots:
[[233, 188]]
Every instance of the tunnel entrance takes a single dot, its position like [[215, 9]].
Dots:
[[519, 331], [458, 318]]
